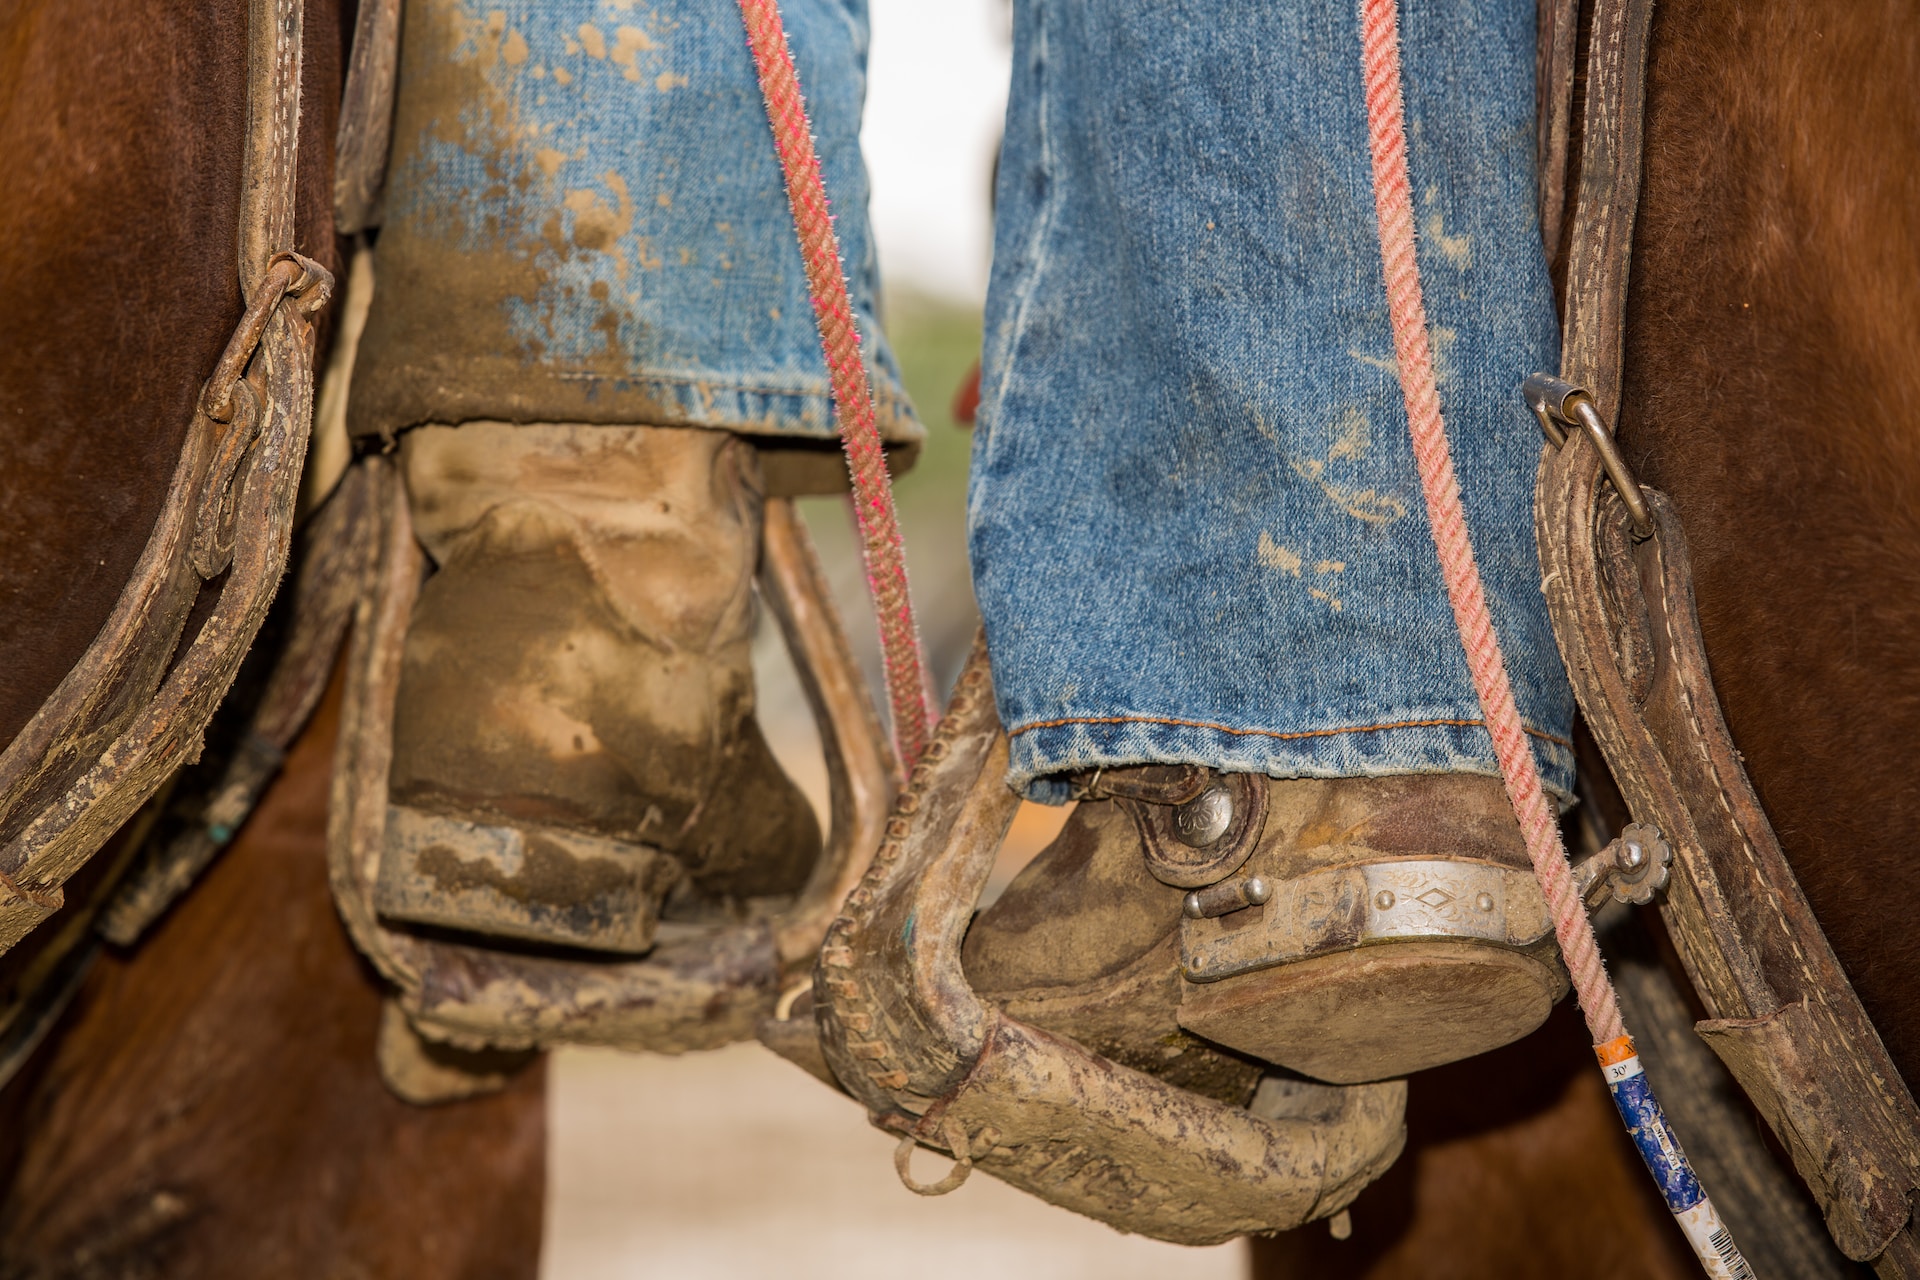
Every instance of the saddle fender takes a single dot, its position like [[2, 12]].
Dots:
[[1619, 585], [134, 708]]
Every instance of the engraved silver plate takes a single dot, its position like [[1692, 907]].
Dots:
[[1341, 908]]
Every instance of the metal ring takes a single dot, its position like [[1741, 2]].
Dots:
[[1547, 396], [1615, 466], [1555, 401]]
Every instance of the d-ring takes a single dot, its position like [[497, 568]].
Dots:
[[1556, 402]]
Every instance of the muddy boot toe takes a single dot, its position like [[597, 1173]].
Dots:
[[574, 735]]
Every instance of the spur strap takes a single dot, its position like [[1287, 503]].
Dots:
[[1619, 586]]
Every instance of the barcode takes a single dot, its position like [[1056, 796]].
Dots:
[[1721, 1242]]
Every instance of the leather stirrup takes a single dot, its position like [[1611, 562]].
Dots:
[[904, 1032], [701, 986]]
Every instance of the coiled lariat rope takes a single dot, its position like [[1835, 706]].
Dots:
[[1393, 208], [909, 697]]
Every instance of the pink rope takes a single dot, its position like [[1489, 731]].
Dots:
[[908, 695], [1393, 207]]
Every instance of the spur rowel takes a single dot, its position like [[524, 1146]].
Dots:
[[1183, 1141], [555, 819]]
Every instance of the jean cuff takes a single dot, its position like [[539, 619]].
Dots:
[[1045, 751]]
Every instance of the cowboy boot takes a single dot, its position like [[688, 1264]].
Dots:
[[1195, 924], [574, 747]]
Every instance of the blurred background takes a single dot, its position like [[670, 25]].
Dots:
[[736, 1163]]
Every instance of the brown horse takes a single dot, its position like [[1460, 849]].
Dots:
[[1771, 383], [120, 133], [211, 1106]]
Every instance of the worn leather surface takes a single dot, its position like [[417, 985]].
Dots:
[[903, 1029], [1771, 388], [1782, 1012], [580, 658], [117, 288], [1084, 942], [132, 707]]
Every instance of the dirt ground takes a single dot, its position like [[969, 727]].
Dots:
[[736, 1164]]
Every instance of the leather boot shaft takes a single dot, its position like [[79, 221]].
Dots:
[[579, 661]]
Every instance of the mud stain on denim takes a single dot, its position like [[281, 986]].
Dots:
[[1275, 556], [554, 240], [1284, 559], [1386, 364], [497, 253], [1457, 250], [489, 111], [1440, 339], [599, 226], [1443, 340], [495, 250], [1353, 438]]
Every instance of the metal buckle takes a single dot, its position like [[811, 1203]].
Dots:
[[1556, 402]]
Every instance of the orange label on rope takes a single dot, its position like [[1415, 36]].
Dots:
[[1616, 1050]]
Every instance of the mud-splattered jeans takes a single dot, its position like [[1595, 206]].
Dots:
[[1196, 528], [1197, 534], [586, 222]]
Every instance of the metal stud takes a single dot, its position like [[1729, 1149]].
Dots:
[[1204, 819]]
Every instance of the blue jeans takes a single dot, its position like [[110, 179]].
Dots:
[[1196, 528], [586, 222]]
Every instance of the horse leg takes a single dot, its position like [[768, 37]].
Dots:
[[212, 1108]]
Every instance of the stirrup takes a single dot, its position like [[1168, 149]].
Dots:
[[701, 986], [904, 1032]]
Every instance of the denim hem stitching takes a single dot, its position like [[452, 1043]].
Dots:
[[1275, 733]]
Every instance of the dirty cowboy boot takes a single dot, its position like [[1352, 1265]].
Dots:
[[590, 384], [553, 818], [1348, 929], [1197, 536], [1202, 538], [573, 742]]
